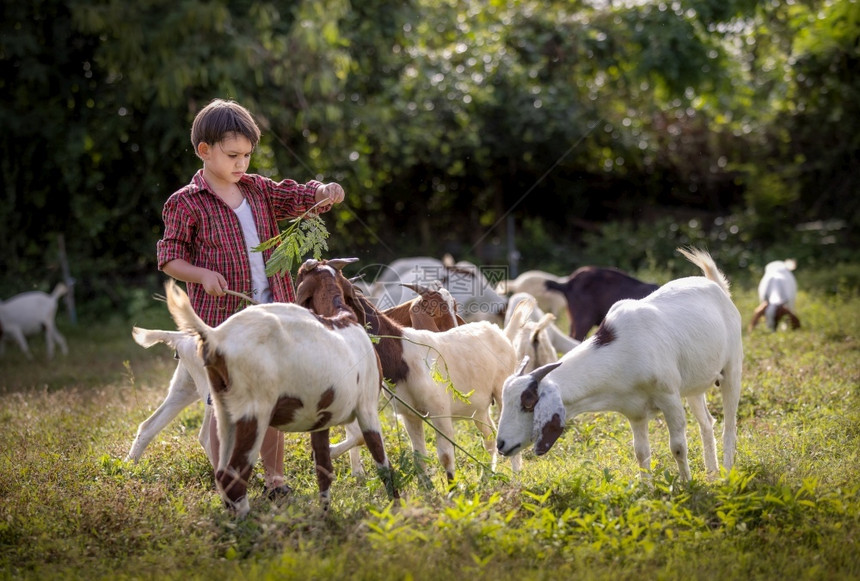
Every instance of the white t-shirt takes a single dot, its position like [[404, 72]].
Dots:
[[259, 283]]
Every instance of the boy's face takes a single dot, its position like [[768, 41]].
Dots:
[[227, 161]]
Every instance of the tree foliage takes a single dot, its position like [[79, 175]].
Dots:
[[440, 118]]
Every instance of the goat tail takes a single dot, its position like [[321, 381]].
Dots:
[[59, 290], [703, 260], [542, 324], [519, 317], [182, 312], [147, 337]]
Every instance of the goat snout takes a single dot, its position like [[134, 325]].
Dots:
[[501, 445]]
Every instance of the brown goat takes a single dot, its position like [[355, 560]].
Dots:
[[434, 309], [591, 291]]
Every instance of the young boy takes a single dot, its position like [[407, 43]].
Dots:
[[211, 225]]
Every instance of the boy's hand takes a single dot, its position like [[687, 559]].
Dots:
[[214, 283], [332, 193]]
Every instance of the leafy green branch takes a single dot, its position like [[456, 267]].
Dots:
[[305, 234]]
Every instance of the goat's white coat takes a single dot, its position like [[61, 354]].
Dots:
[[675, 343], [561, 341], [476, 357], [276, 350], [188, 384], [777, 287], [29, 313]]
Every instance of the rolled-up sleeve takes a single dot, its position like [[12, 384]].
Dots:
[[179, 227], [291, 199]]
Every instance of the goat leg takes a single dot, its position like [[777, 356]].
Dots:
[[322, 460]]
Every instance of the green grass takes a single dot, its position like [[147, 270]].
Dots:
[[70, 508]]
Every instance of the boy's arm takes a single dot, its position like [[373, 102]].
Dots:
[[291, 199], [212, 282]]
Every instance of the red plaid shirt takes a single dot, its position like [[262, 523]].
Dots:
[[203, 230]]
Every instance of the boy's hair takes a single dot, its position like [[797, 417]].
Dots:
[[220, 118]]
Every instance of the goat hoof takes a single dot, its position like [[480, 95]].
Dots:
[[278, 492]]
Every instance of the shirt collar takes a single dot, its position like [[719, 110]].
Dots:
[[198, 182]]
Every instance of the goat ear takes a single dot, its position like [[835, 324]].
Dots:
[[310, 264], [305, 290], [421, 320], [549, 417], [522, 366]]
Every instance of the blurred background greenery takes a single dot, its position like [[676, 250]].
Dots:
[[573, 132]]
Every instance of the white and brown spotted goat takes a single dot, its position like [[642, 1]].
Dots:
[[646, 356], [284, 366]]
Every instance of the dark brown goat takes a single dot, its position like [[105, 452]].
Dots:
[[591, 291]]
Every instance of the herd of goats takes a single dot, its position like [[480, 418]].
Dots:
[[438, 343]]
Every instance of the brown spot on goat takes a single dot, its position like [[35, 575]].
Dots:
[[604, 335], [323, 420], [234, 481], [549, 433], [529, 398], [377, 452], [324, 417], [285, 410], [322, 460], [216, 369], [326, 399]]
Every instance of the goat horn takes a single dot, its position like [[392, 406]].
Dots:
[[356, 278], [522, 365], [421, 289], [339, 263], [542, 372]]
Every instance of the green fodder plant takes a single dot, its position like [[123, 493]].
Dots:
[[790, 508]]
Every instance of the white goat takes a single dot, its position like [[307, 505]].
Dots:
[[28, 313], [530, 338], [533, 282], [281, 365], [777, 292], [646, 356], [188, 384], [475, 357], [562, 342]]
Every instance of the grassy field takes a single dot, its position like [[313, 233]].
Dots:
[[70, 508]]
